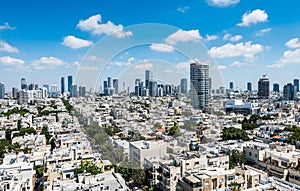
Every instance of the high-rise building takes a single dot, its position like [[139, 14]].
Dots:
[[296, 83], [33, 86], [82, 91], [2, 91], [62, 85], [263, 87], [47, 87], [116, 86], [200, 85], [70, 83], [23, 83], [152, 88], [109, 82], [105, 88], [289, 91], [231, 85], [276, 87], [249, 86], [183, 86], [74, 92], [147, 78], [15, 92], [22, 97]]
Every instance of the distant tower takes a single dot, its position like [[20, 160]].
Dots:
[[109, 82], [2, 91], [289, 91], [147, 78], [276, 87], [200, 85], [105, 88], [183, 86], [249, 86], [264, 87], [70, 82], [116, 85], [296, 83], [62, 85], [231, 85], [23, 84]]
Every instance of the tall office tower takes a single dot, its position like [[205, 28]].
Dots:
[[70, 83], [22, 97], [152, 88], [15, 92], [264, 87], [2, 91], [74, 92], [276, 87], [116, 86], [62, 85], [200, 85], [147, 78], [231, 85], [23, 83], [296, 83], [105, 88], [289, 91], [249, 86], [109, 82], [46, 86], [183, 86], [82, 91]]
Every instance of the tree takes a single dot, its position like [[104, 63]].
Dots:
[[174, 131], [234, 134], [131, 171], [236, 158], [234, 186], [46, 133], [88, 167]]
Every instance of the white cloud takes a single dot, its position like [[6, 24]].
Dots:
[[92, 24], [183, 36], [143, 66], [222, 3], [263, 31], [256, 16], [211, 37], [47, 63], [88, 68], [168, 71], [293, 43], [5, 47], [221, 67], [185, 65], [237, 63], [121, 63], [75, 43], [160, 47], [93, 58], [6, 26], [289, 57], [246, 50], [9, 61], [183, 9], [232, 38]]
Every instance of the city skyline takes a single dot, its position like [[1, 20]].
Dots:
[[251, 36]]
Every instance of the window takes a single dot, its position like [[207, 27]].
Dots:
[[285, 164], [250, 154]]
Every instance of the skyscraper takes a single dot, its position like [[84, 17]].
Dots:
[[116, 85], [249, 86], [74, 92], [264, 87], [70, 82], [200, 85], [2, 91], [289, 91], [276, 87], [23, 83], [147, 78], [296, 83], [109, 82], [105, 88], [15, 92], [82, 91], [231, 85], [62, 85], [183, 86]]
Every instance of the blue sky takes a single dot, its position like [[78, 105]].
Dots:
[[44, 40]]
